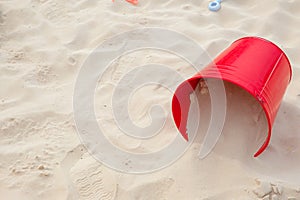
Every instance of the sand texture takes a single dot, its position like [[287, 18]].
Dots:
[[44, 43]]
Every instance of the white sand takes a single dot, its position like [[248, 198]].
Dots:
[[43, 45]]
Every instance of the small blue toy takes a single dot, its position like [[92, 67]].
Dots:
[[215, 5]]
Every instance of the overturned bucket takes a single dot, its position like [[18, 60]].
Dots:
[[254, 64]]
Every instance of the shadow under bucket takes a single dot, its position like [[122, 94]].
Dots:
[[254, 64]]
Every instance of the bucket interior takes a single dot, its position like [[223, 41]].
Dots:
[[245, 127]]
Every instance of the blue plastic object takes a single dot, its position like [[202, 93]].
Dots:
[[215, 5]]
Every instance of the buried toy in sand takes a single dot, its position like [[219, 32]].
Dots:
[[254, 64]]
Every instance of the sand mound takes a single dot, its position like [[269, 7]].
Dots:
[[245, 126]]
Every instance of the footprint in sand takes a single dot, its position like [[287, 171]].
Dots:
[[39, 76], [2, 18], [92, 180], [87, 178]]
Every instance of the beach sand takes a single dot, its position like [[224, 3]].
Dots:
[[43, 44]]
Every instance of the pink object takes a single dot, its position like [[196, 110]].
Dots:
[[256, 65], [134, 2]]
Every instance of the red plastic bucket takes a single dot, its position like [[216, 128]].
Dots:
[[256, 65]]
